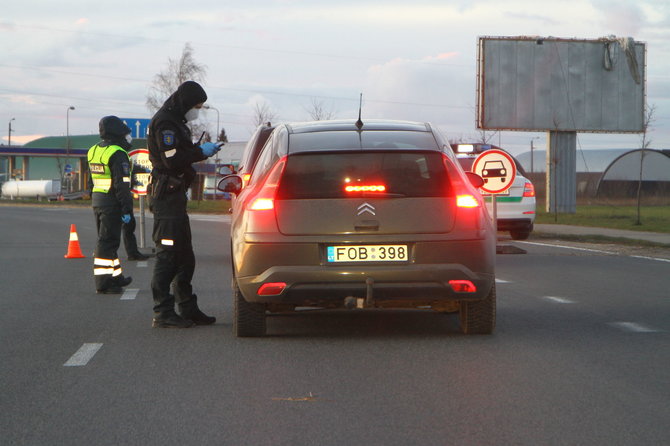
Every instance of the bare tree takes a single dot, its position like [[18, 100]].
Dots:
[[645, 143], [178, 71], [318, 111], [263, 113]]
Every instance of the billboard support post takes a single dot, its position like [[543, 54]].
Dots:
[[561, 172]]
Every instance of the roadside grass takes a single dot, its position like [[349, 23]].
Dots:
[[202, 206], [614, 216]]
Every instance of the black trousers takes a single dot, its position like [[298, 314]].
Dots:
[[106, 265], [129, 239], [175, 259]]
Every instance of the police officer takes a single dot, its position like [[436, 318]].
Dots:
[[112, 201], [172, 152]]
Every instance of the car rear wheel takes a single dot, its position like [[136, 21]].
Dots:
[[479, 316], [249, 318]]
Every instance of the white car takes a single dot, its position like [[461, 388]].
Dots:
[[515, 209]]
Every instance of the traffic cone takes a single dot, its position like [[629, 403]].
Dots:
[[73, 249]]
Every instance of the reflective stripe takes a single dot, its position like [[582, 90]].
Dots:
[[102, 182], [126, 179], [105, 262], [167, 242], [117, 272], [103, 271], [170, 153]]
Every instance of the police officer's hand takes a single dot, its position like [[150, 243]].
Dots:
[[126, 218], [209, 148]]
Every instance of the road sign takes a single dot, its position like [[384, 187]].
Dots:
[[68, 168], [498, 170], [138, 127], [141, 170]]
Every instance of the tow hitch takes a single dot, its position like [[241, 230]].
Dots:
[[351, 302]]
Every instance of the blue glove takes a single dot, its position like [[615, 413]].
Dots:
[[209, 148], [126, 218]]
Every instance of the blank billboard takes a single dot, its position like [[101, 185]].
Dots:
[[552, 84]]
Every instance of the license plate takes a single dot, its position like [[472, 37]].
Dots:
[[367, 253]]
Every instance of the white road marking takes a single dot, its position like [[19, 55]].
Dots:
[[633, 327], [142, 264], [558, 300], [130, 294], [571, 247], [652, 258], [502, 281], [83, 355]]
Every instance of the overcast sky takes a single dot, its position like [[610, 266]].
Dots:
[[411, 60]]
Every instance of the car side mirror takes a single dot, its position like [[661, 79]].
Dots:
[[231, 184], [475, 179]]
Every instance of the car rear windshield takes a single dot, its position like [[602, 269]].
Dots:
[[371, 139], [372, 173]]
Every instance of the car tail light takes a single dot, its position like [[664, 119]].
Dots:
[[462, 286], [271, 289], [466, 195], [467, 201], [528, 189], [264, 200]]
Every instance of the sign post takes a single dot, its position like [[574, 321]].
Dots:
[[141, 173], [498, 170]]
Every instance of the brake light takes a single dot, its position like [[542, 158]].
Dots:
[[467, 201], [262, 204], [528, 189], [264, 200], [365, 188], [462, 286], [271, 289]]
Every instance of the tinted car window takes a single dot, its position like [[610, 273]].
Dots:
[[370, 140], [326, 175]]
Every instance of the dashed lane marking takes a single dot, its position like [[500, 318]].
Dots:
[[130, 294], [558, 300], [83, 355], [634, 327], [502, 281]]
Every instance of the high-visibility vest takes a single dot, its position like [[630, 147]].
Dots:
[[98, 164]]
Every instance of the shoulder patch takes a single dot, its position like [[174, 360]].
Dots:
[[168, 137]]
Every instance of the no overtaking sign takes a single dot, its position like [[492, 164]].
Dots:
[[498, 170]]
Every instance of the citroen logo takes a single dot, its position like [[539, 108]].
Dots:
[[366, 207]]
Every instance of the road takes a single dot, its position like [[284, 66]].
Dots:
[[579, 356]]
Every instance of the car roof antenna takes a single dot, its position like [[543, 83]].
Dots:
[[359, 123]]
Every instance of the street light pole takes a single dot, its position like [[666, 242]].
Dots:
[[9, 134], [217, 119], [67, 136]]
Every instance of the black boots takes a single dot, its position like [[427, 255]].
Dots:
[[198, 317], [115, 285], [170, 320], [138, 256]]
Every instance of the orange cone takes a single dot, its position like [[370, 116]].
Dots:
[[73, 249]]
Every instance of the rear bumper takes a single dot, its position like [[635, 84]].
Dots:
[[416, 285]]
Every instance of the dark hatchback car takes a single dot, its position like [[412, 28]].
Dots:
[[338, 215]]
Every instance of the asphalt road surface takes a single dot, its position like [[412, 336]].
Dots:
[[580, 356]]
